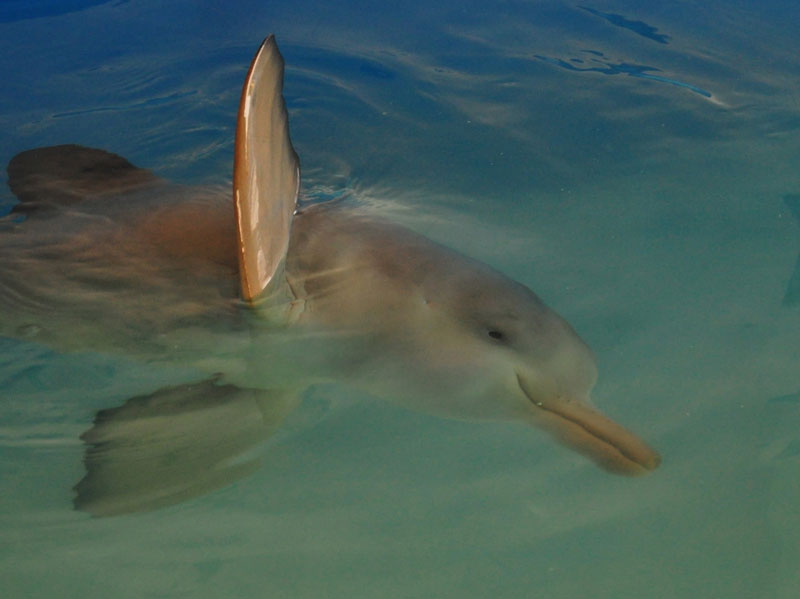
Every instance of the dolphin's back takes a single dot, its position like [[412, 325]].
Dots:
[[356, 270], [101, 254]]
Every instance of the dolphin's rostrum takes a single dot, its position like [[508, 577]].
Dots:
[[263, 300]]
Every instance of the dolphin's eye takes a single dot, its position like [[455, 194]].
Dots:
[[495, 334]]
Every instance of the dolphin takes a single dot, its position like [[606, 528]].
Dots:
[[263, 298]]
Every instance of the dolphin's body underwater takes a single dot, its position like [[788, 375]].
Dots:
[[266, 299]]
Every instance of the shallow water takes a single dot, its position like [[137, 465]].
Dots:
[[628, 161]]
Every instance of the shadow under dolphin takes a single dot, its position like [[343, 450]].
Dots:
[[265, 298]]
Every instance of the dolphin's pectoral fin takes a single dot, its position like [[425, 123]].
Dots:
[[63, 175], [175, 444], [266, 174], [792, 295]]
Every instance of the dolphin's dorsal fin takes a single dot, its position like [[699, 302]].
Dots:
[[266, 173], [64, 175]]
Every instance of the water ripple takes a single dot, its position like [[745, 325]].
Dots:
[[157, 101], [638, 27], [622, 68]]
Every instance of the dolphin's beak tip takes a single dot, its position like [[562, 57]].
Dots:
[[644, 463], [652, 463]]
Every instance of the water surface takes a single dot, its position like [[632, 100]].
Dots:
[[629, 161]]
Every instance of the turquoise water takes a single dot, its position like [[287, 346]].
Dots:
[[632, 162]]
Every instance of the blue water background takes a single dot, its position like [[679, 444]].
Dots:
[[626, 160]]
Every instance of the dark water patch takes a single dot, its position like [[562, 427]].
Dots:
[[20, 10], [790, 398], [638, 27], [792, 450], [373, 69], [792, 295], [623, 68], [792, 200], [327, 61]]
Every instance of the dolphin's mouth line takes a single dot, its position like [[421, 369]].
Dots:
[[594, 432]]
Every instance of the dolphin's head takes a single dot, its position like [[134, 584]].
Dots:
[[477, 344], [442, 333], [449, 335]]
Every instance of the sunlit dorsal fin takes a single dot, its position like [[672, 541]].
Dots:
[[266, 173]]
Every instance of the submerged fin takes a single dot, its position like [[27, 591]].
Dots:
[[64, 175], [175, 444], [792, 295], [266, 173]]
